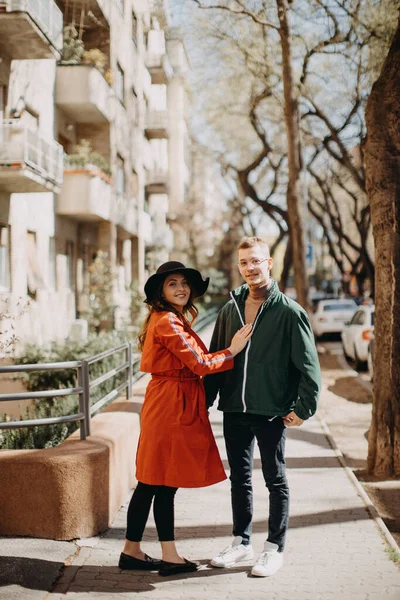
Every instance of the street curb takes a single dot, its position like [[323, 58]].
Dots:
[[360, 490]]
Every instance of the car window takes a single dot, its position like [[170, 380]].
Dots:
[[338, 306], [373, 318], [354, 318], [359, 318]]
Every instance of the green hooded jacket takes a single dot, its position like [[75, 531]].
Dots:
[[278, 370]]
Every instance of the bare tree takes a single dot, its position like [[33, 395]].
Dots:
[[291, 113]]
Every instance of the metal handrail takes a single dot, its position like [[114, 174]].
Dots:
[[20, 145], [85, 385]]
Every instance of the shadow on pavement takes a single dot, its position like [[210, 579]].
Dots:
[[356, 513], [301, 462], [25, 572], [31, 573]]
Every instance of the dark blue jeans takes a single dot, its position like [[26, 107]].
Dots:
[[240, 431]]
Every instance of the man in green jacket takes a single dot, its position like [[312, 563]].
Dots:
[[274, 384]]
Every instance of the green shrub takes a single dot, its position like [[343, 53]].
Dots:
[[52, 435], [83, 156]]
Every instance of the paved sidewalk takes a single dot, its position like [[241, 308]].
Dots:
[[334, 549]]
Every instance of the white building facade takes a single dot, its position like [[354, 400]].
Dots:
[[93, 155]]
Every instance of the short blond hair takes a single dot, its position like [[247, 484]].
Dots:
[[250, 242]]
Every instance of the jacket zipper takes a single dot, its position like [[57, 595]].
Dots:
[[246, 356]]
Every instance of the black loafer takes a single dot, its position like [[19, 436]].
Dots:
[[129, 563], [168, 568]]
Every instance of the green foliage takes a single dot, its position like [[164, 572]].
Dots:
[[100, 314], [393, 555], [83, 156], [136, 307], [52, 435], [73, 47]]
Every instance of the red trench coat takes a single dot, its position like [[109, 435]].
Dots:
[[176, 446]]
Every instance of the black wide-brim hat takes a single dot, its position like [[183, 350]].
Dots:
[[197, 284]]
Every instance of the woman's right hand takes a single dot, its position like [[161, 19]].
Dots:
[[240, 339]]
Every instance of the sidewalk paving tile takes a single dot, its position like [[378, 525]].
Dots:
[[334, 549]]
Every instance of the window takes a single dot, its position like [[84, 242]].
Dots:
[[120, 175], [338, 306], [34, 274], [52, 264], [120, 83], [4, 258], [134, 28]]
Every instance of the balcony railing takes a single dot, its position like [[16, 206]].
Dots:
[[46, 15], [25, 153]]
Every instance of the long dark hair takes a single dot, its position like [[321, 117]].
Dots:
[[159, 304]]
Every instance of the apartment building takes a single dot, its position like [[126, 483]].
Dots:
[[94, 154], [206, 207]]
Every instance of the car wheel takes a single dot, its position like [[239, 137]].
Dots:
[[359, 365]]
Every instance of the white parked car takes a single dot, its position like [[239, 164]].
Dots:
[[331, 315], [357, 335]]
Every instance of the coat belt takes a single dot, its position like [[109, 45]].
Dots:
[[174, 377]]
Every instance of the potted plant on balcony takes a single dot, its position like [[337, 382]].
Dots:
[[73, 47], [84, 158]]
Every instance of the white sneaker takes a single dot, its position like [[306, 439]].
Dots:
[[269, 561], [233, 554]]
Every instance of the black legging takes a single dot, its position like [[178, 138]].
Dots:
[[163, 509]]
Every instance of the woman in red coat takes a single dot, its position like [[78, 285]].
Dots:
[[176, 446]]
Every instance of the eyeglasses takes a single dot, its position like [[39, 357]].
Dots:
[[254, 262]]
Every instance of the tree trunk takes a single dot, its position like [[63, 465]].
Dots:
[[383, 187], [295, 210], [287, 264]]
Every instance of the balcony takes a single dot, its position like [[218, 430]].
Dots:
[[146, 228], [83, 94], [85, 195], [157, 124], [124, 214], [157, 181], [28, 162], [159, 68], [30, 29]]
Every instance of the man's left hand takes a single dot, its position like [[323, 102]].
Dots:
[[292, 420]]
